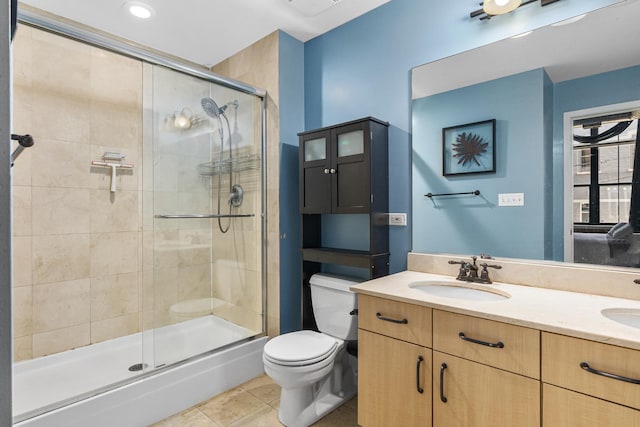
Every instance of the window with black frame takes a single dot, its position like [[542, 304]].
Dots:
[[603, 161]]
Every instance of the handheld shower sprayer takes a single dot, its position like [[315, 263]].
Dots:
[[25, 141]]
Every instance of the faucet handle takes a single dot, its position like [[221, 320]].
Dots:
[[484, 274], [464, 268]]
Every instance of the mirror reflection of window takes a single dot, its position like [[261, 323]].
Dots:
[[602, 196], [604, 150]]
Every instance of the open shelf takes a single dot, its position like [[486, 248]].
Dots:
[[348, 257]]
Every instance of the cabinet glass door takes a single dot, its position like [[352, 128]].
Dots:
[[350, 143], [315, 149]]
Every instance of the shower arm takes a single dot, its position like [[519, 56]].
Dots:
[[24, 141]]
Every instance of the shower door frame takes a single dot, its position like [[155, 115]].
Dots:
[[60, 26]]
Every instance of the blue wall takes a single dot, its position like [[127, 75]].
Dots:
[[291, 64], [362, 68], [473, 225]]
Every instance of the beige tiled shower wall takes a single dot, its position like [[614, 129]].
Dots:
[[77, 246], [257, 65]]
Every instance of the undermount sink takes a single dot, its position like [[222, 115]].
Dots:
[[459, 291], [624, 316]]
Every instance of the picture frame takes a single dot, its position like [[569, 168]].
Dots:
[[469, 148]]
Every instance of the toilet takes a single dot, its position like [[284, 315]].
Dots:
[[314, 370]]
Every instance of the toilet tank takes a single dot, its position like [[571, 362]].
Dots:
[[332, 304]]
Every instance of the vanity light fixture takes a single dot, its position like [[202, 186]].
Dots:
[[139, 9], [499, 7], [491, 8]]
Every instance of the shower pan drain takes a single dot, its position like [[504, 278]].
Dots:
[[137, 367]]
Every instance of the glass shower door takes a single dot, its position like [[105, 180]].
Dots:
[[204, 232]]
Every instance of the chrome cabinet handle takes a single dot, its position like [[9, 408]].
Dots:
[[326, 171], [420, 389], [387, 319], [442, 396], [499, 344], [332, 170], [586, 367]]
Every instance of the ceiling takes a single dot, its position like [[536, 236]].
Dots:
[[209, 31]]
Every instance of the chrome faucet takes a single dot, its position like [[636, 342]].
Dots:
[[469, 271]]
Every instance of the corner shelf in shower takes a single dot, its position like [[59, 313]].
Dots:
[[239, 164]]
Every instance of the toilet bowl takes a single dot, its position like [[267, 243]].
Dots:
[[313, 369]]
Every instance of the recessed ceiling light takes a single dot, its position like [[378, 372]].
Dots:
[[139, 9]]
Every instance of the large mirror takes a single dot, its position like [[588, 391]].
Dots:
[[536, 88]]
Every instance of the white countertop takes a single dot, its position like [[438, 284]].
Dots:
[[568, 313]]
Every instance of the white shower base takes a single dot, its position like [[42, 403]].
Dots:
[[48, 382]]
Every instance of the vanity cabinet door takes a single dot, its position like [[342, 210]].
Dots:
[[467, 394], [608, 373], [564, 408], [394, 382]]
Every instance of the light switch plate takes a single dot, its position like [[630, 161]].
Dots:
[[398, 219], [511, 199]]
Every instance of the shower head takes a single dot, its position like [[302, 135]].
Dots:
[[211, 108]]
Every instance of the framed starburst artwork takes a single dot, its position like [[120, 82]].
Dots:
[[469, 148]]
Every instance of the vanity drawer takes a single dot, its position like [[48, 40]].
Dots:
[[509, 347], [406, 322], [561, 365]]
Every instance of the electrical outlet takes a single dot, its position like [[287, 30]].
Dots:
[[511, 199], [398, 219]]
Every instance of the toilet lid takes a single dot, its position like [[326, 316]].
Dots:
[[300, 348]]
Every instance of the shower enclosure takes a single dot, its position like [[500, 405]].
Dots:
[[139, 215]]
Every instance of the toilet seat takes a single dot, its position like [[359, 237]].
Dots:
[[300, 348]]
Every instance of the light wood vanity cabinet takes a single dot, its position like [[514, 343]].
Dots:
[[485, 373], [399, 376], [592, 379], [478, 372], [394, 363]]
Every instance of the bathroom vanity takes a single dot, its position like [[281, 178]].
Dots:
[[436, 351]]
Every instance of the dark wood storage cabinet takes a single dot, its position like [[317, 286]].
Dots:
[[344, 170]]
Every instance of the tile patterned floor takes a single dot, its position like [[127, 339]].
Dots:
[[252, 404]]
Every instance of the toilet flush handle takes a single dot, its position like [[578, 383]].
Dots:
[[353, 312]]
